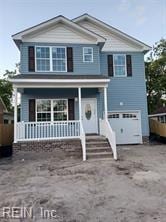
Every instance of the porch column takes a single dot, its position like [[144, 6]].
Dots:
[[105, 103], [15, 115], [79, 100]]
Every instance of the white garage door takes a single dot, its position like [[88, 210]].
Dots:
[[127, 126]]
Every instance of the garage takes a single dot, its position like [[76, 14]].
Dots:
[[127, 126]]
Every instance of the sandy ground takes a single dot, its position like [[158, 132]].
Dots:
[[132, 189]]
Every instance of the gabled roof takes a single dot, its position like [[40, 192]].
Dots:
[[52, 22], [3, 105], [99, 23]]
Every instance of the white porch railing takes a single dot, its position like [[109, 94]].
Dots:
[[106, 130], [28, 131], [83, 141]]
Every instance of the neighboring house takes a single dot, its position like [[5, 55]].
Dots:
[[5, 116], [80, 77]]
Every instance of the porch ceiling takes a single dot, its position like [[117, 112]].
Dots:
[[59, 81]]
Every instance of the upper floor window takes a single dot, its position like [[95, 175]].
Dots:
[[59, 59], [87, 54], [119, 65], [51, 59], [43, 58]]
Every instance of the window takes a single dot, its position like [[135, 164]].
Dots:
[[88, 111], [87, 54], [60, 110], [129, 115], [119, 65], [52, 59], [51, 109], [59, 59], [6, 121], [43, 58], [113, 116], [43, 110]]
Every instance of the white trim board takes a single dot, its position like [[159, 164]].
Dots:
[[58, 85], [59, 80]]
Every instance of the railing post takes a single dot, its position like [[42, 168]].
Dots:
[[79, 101], [15, 115], [105, 103]]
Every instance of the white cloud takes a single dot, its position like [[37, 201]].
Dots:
[[124, 6], [133, 9], [140, 14]]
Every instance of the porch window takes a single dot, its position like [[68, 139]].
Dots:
[[119, 65], [43, 110], [51, 110], [87, 54], [60, 110]]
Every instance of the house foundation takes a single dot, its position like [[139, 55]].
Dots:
[[70, 147]]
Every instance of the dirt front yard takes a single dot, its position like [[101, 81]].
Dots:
[[132, 189]]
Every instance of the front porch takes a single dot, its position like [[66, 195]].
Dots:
[[70, 128]]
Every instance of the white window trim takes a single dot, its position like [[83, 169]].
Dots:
[[51, 62], [119, 65], [84, 54], [52, 111]]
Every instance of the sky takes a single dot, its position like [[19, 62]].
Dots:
[[142, 19]]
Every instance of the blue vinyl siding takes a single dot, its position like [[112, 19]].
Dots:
[[131, 91], [80, 67]]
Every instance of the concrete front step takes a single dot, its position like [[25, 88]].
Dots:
[[95, 144], [95, 137], [98, 149], [99, 155], [98, 142], [95, 140]]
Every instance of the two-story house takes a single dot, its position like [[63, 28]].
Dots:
[[80, 77]]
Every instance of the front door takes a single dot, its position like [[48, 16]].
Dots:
[[89, 115]]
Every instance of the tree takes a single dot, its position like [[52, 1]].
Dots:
[[155, 69], [6, 89]]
